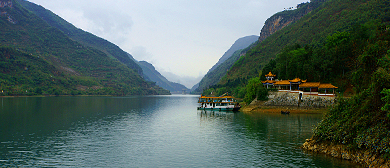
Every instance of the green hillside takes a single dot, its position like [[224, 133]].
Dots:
[[23, 31], [219, 70], [343, 42], [363, 121], [81, 36], [312, 29]]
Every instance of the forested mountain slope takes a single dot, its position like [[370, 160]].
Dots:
[[220, 68], [81, 35], [84, 69], [312, 29], [272, 25], [151, 74], [103, 45], [239, 44]]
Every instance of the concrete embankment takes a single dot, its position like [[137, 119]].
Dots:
[[365, 158]]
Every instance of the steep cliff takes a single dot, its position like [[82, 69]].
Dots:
[[282, 19]]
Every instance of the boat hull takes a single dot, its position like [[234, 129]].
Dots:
[[219, 109]]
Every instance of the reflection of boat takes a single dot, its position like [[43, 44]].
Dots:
[[223, 103]]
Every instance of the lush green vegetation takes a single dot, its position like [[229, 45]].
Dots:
[[82, 36], [311, 30], [81, 66], [310, 48], [343, 42], [363, 122], [24, 74], [254, 89]]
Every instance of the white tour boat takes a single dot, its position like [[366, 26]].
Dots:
[[223, 103]]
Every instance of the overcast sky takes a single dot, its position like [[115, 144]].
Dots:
[[182, 37]]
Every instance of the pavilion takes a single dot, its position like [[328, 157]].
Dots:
[[299, 85]]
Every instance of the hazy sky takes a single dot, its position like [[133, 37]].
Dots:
[[183, 37]]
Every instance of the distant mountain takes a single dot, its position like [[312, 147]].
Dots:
[[81, 36], [239, 44], [46, 61], [151, 74], [220, 68]]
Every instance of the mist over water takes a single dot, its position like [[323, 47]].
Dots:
[[150, 131]]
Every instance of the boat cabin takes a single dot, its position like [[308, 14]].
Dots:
[[223, 103]]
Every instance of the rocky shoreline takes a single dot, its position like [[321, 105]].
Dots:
[[363, 157]]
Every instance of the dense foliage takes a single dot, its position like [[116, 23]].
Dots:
[[311, 30], [254, 89], [363, 122]]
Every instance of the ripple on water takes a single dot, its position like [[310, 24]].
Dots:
[[165, 131]]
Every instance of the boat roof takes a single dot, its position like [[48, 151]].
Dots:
[[223, 97]]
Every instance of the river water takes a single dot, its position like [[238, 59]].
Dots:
[[150, 131]]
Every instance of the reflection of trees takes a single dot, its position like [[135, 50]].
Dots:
[[273, 127], [282, 128], [44, 115]]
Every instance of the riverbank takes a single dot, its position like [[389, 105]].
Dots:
[[363, 157]]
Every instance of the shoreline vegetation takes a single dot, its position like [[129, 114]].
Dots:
[[359, 123], [362, 156]]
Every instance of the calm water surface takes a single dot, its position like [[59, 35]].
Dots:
[[150, 131]]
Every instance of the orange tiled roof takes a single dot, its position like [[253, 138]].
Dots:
[[207, 97], [327, 86], [297, 80], [268, 81], [282, 82], [270, 75], [309, 85]]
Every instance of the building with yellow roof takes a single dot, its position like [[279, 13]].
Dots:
[[299, 85]]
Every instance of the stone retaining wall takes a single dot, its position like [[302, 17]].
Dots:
[[292, 99]]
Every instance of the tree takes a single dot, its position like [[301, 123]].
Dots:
[[253, 88]]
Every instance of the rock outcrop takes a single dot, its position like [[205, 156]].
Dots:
[[341, 151], [283, 19]]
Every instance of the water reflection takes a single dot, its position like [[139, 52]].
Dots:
[[267, 139], [149, 131]]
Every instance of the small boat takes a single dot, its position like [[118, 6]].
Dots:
[[222, 103], [285, 112]]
